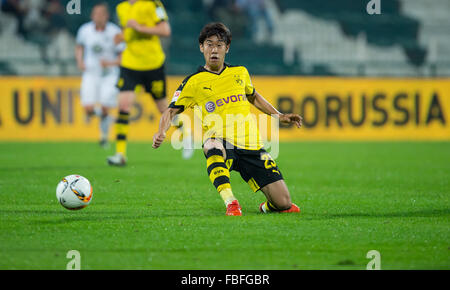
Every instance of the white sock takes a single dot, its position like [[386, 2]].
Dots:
[[105, 124]]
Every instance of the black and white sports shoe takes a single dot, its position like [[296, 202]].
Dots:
[[117, 160]]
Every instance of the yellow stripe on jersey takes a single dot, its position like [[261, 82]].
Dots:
[[223, 105], [142, 52]]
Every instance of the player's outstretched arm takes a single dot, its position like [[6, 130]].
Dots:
[[164, 125], [79, 51], [160, 29], [264, 106]]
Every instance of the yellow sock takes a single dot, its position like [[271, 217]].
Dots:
[[219, 174], [122, 125], [121, 147]]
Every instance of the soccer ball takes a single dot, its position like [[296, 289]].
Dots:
[[74, 192]]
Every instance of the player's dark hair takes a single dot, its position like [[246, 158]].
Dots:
[[101, 3], [215, 28]]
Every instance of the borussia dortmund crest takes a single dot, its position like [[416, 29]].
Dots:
[[238, 79]]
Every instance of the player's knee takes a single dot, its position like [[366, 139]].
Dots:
[[124, 107], [126, 100], [283, 202], [105, 111], [284, 205], [213, 146], [89, 110]]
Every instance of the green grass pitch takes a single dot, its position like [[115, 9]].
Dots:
[[161, 212]]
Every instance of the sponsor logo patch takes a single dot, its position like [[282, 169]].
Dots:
[[176, 95], [210, 107]]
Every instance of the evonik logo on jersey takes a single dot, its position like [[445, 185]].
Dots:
[[211, 106]]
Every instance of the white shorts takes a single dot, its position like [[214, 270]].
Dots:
[[99, 89]]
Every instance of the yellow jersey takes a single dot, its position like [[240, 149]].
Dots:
[[143, 51], [220, 101]]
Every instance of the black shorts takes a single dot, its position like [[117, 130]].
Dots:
[[153, 81], [256, 167]]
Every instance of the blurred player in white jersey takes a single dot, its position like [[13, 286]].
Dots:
[[98, 57]]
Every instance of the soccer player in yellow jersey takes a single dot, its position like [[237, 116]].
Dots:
[[225, 92], [143, 22]]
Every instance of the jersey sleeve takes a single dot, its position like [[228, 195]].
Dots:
[[158, 14], [120, 47], [120, 8], [115, 29], [249, 88], [184, 96], [80, 35]]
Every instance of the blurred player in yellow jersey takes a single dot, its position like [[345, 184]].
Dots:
[[221, 91], [143, 22]]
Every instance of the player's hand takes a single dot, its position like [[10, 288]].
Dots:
[[158, 138], [118, 38], [81, 66], [107, 63], [291, 119], [133, 24]]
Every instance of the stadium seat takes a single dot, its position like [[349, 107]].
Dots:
[[310, 38]]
